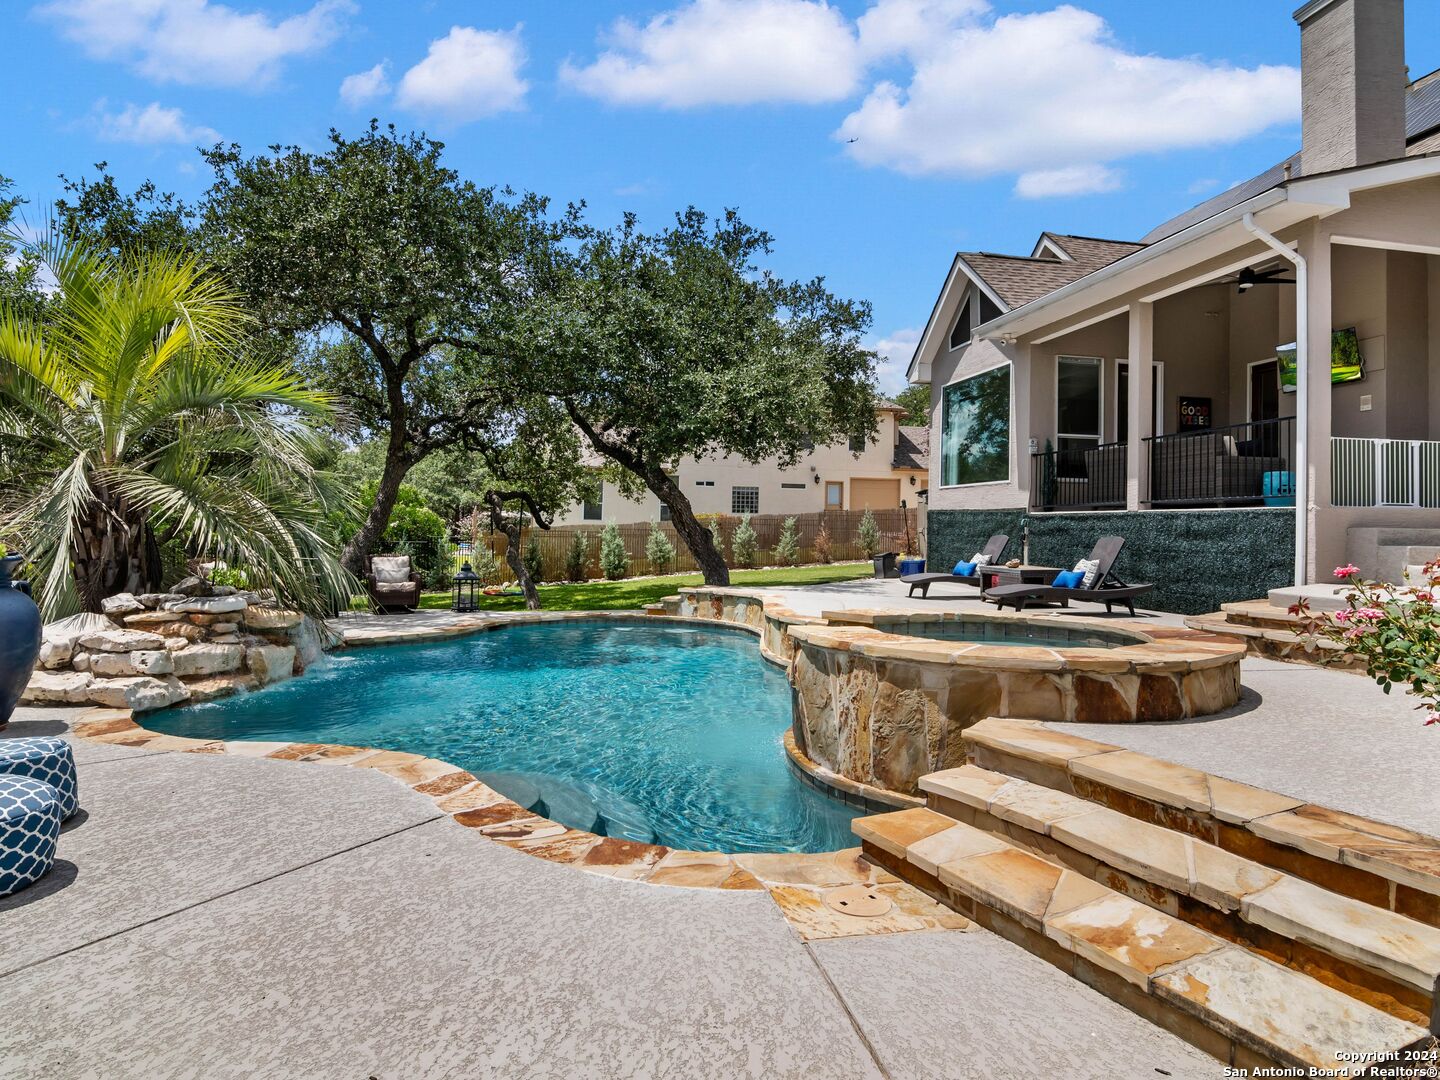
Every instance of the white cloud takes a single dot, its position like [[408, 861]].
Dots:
[[1070, 180], [1051, 96], [196, 41], [151, 125], [912, 27], [467, 74], [727, 52], [365, 86], [895, 351]]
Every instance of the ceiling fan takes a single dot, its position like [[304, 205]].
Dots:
[[1249, 278]]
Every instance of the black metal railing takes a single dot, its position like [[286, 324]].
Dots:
[[1249, 464], [1092, 478]]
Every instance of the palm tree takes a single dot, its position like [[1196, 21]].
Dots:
[[133, 414]]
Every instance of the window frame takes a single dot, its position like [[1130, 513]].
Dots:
[[735, 490], [1099, 364], [1010, 449]]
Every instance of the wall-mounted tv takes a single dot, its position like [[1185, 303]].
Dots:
[[1346, 363]]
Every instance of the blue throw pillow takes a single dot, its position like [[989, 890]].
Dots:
[[964, 569], [1068, 579]]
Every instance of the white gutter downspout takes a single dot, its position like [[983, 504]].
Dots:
[[1302, 393]]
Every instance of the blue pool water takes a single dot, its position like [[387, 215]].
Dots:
[[669, 732]]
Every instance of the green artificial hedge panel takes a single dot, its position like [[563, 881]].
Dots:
[[1198, 559]]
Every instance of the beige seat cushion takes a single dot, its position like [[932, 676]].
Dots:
[[393, 588], [390, 569]]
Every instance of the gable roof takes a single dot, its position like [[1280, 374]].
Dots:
[[912, 447], [1018, 279]]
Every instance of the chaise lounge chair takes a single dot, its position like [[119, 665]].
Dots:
[[994, 548], [1107, 588]]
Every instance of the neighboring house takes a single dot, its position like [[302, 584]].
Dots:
[[1149, 388], [851, 475]]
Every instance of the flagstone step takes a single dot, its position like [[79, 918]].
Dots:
[[1382, 865], [1271, 632], [1242, 1008], [1371, 953]]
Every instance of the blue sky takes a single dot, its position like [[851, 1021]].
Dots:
[[975, 125]]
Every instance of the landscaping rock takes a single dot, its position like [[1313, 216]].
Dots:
[[152, 662], [149, 618], [218, 686], [208, 605], [207, 659], [139, 694], [223, 590], [80, 661], [224, 628], [269, 618], [67, 686], [57, 653], [225, 639], [175, 644], [190, 586], [110, 663], [156, 599], [179, 629], [117, 641], [121, 604], [271, 663]]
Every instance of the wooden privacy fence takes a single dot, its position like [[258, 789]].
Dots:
[[843, 527]]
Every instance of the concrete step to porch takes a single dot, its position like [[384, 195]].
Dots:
[[1271, 632], [1242, 1008], [1382, 865], [1370, 953]]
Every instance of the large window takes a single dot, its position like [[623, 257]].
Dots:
[[745, 500], [975, 429], [1078, 413]]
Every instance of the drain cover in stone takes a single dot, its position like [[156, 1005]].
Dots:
[[861, 900], [522, 830]]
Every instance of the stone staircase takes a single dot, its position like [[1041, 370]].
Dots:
[[1260, 928], [1268, 629]]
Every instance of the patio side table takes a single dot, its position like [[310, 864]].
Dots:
[[991, 576]]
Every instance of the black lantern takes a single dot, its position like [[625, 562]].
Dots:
[[466, 584]]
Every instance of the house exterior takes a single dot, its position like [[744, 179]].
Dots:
[[851, 475], [1249, 393]]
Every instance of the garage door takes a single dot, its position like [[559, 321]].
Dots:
[[875, 494]]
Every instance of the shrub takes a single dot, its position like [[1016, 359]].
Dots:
[[787, 548], [614, 561], [1394, 630], [485, 563], [659, 551], [717, 536], [575, 556], [233, 576], [743, 543], [534, 559], [823, 552], [869, 535]]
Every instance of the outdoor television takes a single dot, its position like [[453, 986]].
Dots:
[[1346, 363]]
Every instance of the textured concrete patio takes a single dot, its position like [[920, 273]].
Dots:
[[220, 916]]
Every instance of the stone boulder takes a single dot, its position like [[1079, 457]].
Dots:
[[81, 660], [217, 686], [111, 663], [157, 599], [140, 693], [121, 604], [190, 586], [207, 659], [56, 652], [270, 663], [208, 605], [61, 686], [121, 641], [152, 662], [269, 618], [150, 618]]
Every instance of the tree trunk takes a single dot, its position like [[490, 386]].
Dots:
[[356, 556], [115, 552], [696, 536], [510, 526]]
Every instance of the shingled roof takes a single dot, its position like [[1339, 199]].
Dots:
[[912, 447], [1018, 279]]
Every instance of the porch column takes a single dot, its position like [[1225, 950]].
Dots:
[[1138, 405], [1314, 246]]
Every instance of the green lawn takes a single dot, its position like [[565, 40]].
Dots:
[[616, 595]]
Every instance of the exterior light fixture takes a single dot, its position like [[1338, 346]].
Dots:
[[817, 478]]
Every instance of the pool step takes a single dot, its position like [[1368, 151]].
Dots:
[[1382, 865], [577, 804], [1241, 1007], [1368, 952]]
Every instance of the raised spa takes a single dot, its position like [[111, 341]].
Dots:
[[660, 733]]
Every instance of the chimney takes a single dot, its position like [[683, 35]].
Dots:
[[1352, 83]]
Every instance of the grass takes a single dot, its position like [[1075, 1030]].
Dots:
[[604, 595]]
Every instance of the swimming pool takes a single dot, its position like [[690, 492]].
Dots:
[[667, 734]]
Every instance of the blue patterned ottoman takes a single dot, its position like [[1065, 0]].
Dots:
[[43, 758], [29, 828]]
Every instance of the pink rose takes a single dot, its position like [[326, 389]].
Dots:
[[1348, 570]]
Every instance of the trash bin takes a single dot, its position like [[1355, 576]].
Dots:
[[1278, 488], [911, 566], [885, 564]]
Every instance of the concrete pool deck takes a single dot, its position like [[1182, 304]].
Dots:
[[222, 916]]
